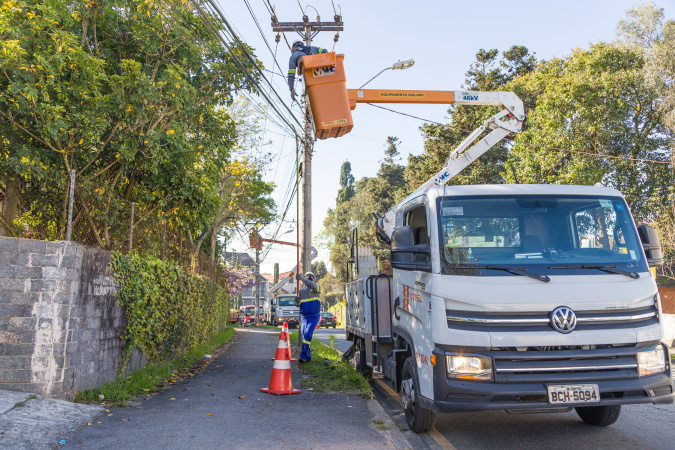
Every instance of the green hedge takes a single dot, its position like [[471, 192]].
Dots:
[[169, 310]]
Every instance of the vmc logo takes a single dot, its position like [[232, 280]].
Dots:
[[324, 71]]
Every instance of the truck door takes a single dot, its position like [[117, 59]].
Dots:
[[414, 301]]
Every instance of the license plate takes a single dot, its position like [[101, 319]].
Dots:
[[563, 394]]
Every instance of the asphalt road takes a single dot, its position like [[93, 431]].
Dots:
[[639, 426], [222, 407], [324, 334]]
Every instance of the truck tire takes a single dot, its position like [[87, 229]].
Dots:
[[360, 358], [334, 326], [600, 416], [419, 419]]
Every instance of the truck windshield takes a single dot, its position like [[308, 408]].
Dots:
[[286, 301], [544, 234]]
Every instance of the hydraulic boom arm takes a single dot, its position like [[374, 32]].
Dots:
[[509, 120]]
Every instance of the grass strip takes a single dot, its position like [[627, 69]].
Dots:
[[153, 377], [329, 373]]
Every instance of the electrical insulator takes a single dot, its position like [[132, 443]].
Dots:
[[336, 37], [305, 18], [337, 18], [277, 38], [274, 20]]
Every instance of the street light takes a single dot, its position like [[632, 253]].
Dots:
[[406, 63]]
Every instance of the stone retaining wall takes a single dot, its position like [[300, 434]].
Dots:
[[59, 320]]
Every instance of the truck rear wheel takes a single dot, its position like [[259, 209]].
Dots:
[[419, 419], [600, 416]]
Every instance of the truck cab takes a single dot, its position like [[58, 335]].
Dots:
[[517, 297], [281, 309]]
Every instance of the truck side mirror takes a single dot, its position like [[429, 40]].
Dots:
[[651, 245], [403, 251]]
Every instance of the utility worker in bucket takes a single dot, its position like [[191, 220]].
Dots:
[[299, 50], [310, 308]]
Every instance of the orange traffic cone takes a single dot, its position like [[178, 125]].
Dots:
[[281, 382], [284, 336]]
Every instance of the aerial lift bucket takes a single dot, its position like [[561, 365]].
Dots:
[[326, 87]]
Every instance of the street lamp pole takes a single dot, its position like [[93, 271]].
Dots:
[[398, 65]]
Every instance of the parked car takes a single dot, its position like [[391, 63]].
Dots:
[[327, 320]]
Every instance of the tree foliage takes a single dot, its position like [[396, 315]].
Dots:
[[132, 95], [594, 101]]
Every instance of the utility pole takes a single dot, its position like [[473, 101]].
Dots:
[[307, 30], [257, 277]]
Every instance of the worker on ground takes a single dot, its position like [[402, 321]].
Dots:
[[310, 310], [299, 50]]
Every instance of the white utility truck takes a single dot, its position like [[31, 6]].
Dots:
[[515, 297], [280, 309]]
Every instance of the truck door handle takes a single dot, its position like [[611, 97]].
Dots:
[[397, 303]]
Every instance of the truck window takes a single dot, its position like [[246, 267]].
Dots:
[[538, 232], [286, 301], [417, 219]]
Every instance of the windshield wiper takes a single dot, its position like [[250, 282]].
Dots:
[[608, 269], [511, 270]]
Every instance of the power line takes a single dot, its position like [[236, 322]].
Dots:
[[209, 23], [597, 155]]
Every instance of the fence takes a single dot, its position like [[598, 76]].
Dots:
[[68, 208]]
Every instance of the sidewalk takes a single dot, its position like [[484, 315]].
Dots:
[[34, 422], [208, 411]]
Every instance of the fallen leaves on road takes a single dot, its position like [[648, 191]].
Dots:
[[172, 398], [209, 414], [241, 397], [124, 420]]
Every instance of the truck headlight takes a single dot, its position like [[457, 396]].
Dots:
[[469, 367], [651, 360]]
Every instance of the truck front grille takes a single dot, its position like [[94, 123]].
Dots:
[[540, 321], [565, 365]]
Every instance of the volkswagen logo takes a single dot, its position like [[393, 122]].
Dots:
[[563, 319]]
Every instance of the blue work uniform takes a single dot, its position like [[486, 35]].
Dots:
[[296, 57], [310, 309]]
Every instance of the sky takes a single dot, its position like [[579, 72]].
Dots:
[[443, 38]]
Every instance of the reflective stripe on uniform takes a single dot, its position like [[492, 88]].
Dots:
[[292, 70], [305, 341], [310, 299], [321, 51], [281, 364]]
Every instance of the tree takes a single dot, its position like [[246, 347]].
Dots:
[[346, 191], [130, 94], [645, 31], [319, 270], [595, 101]]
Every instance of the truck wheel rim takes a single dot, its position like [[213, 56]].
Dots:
[[408, 395]]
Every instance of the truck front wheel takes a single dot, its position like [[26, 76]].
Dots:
[[600, 416], [419, 419]]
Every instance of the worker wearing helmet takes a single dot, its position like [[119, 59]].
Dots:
[[299, 50], [310, 309]]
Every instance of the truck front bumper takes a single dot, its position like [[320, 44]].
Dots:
[[290, 322], [518, 392]]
